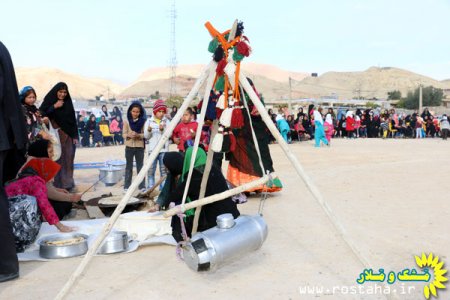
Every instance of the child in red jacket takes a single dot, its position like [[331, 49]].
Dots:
[[185, 130]]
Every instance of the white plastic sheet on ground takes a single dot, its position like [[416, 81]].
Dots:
[[143, 228]]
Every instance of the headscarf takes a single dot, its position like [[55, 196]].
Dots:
[[44, 167], [12, 121], [310, 110], [199, 164], [137, 125], [39, 149], [176, 164], [63, 116], [105, 112], [24, 91], [31, 109], [116, 112]]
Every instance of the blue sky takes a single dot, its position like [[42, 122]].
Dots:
[[119, 40]]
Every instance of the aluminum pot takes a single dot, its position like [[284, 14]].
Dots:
[[228, 241], [62, 251], [115, 242], [121, 164], [110, 175]]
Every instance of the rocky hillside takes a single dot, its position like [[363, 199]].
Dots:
[[43, 79]]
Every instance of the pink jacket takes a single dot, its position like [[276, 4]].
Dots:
[[329, 129], [34, 186], [114, 126]]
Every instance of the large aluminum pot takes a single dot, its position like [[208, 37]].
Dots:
[[115, 242], [121, 164], [110, 175], [63, 245], [229, 240]]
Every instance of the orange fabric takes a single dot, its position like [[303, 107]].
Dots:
[[236, 82], [45, 167], [238, 178], [226, 45]]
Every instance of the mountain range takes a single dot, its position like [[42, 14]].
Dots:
[[273, 82]]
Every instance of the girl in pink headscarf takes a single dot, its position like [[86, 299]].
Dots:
[[328, 127]]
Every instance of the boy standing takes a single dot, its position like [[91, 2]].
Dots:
[[155, 127]]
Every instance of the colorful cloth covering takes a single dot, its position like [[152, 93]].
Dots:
[[244, 162]]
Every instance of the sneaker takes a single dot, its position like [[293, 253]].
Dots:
[[143, 190]]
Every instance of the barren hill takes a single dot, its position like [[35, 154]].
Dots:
[[372, 83], [43, 79], [273, 82], [270, 80]]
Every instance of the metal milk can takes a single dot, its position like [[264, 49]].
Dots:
[[230, 239]]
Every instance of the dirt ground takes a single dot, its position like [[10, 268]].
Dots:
[[391, 196]]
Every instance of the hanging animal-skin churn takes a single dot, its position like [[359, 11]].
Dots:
[[228, 241]]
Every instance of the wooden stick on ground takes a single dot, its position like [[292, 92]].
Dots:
[[150, 190], [217, 197], [120, 207]]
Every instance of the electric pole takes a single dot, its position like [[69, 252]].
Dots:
[[173, 52], [420, 98], [290, 95]]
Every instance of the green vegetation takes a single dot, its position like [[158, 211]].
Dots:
[[372, 105], [394, 95], [174, 101], [431, 96]]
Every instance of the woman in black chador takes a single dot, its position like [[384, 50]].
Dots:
[[13, 139], [58, 107]]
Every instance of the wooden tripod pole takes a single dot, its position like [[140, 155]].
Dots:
[[217, 197], [120, 207], [207, 170], [200, 121], [309, 183]]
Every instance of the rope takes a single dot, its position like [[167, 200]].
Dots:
[[264, 194], [183, 233]]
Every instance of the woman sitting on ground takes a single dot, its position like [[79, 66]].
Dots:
[[27, 195], [173, 190], [61, 199]]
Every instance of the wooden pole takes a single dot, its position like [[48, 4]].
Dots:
[[309, 183], [217, 197], [200, 121], [208, 166], [120, 207]]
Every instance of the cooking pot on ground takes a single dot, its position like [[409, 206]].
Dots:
[[121, 164], [115, 242], [110, 175], [63, 245]]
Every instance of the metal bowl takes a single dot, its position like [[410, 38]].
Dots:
[[62, 251], [115, 242]]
